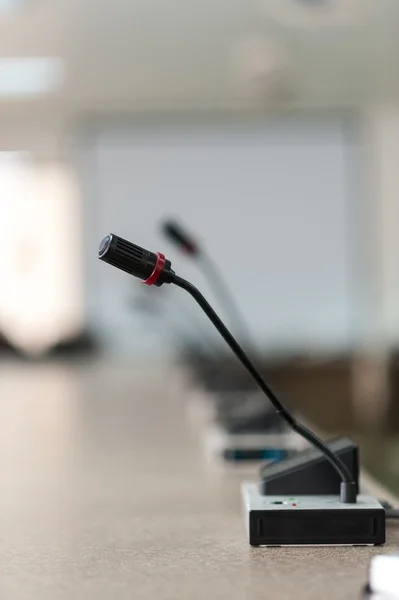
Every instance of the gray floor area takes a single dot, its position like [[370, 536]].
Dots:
[[105, 494]]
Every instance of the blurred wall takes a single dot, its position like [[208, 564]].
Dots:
[[381, 135], [275, 201]]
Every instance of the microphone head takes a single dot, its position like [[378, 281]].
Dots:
[[180, 237], [151, 267]]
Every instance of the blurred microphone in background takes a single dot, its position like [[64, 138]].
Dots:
[[178, 235]]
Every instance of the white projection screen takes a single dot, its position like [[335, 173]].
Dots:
[[272, 200]]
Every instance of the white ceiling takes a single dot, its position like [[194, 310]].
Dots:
[[124, 55]]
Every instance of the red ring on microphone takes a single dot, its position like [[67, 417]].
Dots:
[[159, 265]]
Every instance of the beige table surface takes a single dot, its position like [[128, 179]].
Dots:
[[105, 493]]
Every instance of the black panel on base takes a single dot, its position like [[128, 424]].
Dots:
[[309, 473], [310, 527]]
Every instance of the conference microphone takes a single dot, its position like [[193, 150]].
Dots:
[[154, 269], [184, 241], [176, 233]]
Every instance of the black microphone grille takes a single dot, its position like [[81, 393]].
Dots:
[[122, 254], [151, 268]]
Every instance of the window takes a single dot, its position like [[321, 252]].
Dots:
[[40, 296]]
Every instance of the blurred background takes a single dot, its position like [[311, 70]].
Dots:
[[270, 128]]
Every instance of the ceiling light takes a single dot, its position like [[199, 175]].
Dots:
[[10, 4], [264, 70], [308, 13], [29, 77]]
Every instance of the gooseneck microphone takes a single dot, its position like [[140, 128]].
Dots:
[[154, 269], [182, 239]]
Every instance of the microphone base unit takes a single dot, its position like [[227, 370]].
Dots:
[[240, 415], [311, 520], [235, 412], [241, 455], [266, 447], [246, 413], [263, 422]]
